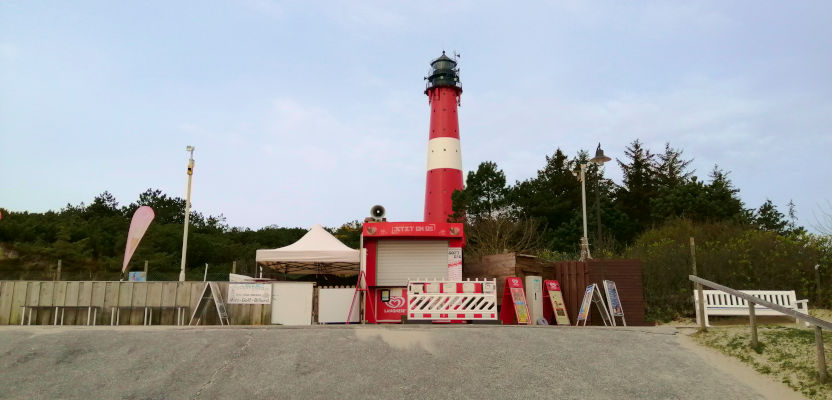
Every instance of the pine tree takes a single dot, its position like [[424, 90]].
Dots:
[[487, 190], [769, 218], [723, 198], [640, 184], [671, 168], [553, 198]]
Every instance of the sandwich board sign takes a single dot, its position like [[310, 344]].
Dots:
[[614, 301], [210, 294], [514, 306], [553, 292], [593, 295]]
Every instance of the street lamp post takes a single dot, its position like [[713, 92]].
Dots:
[[187, 212], [584, 241], [599, 159]]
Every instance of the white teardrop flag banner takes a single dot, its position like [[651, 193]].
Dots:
[[138, 226]]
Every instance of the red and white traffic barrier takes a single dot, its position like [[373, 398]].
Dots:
[[452, 300]]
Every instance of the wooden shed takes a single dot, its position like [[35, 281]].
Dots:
[[574, 277]]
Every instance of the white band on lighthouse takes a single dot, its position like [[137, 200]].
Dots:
[[444, 152]]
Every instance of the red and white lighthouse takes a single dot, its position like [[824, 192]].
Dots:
[[444, 167]]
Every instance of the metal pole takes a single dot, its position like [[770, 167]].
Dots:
[[145, 271], [700, 295], [362, 312], [598, 205], [234, 267], [584, 240], [752, 318], [205, 276], [821, 356], [187, 213]]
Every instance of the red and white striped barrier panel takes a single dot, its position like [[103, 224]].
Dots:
[[452, 300]]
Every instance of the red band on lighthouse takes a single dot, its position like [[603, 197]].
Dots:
[[444, 161]]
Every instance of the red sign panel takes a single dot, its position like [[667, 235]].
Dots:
[[555, 307], [412, 229], [394, 308], [514, 308]]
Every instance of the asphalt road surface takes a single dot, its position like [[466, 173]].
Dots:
[[362, 362]]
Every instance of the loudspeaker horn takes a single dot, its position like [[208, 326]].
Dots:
[[377, 212]]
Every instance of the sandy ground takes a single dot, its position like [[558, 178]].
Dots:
[[766, 385]]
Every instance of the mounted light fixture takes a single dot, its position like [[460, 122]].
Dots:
[[599, 158]]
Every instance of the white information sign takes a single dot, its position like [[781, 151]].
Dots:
[[249, 293], [614, 302], [454, 263]]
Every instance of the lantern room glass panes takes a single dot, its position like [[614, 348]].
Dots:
[[443, 65]]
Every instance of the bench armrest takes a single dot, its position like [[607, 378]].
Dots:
[[802, 305]]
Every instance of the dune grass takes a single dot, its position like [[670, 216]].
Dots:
[[786, 353]]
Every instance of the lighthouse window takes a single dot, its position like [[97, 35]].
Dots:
[[442, 65]]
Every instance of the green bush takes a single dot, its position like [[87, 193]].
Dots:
[[731, 254]]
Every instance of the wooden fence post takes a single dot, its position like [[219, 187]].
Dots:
[[234, 267], [145, 271], [700, 295], [818, 296], [58, 273], [821, 355], [752, 317]]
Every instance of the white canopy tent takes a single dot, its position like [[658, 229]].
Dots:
[[317, 252]]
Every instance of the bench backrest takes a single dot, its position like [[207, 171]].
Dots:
[[717, 298]]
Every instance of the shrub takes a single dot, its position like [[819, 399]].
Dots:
[[731, 254]]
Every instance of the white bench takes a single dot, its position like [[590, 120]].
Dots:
[[718, 302]]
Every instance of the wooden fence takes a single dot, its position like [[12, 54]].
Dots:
[[574, 277], [109, 294]]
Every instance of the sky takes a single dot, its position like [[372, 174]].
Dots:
[[305, 113]]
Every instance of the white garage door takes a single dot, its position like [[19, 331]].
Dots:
[[401, 260]]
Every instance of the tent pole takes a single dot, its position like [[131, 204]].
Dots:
[[362, 312]]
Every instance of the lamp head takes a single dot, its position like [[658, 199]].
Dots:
[[599, 158], [189, 148]]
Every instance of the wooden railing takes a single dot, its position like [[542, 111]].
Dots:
[[818, 324]]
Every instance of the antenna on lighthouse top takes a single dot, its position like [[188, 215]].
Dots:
[[457, 55]]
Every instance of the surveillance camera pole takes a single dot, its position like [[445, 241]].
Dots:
[[187, 212]]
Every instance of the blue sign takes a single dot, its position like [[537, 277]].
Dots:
[[138, 276]]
